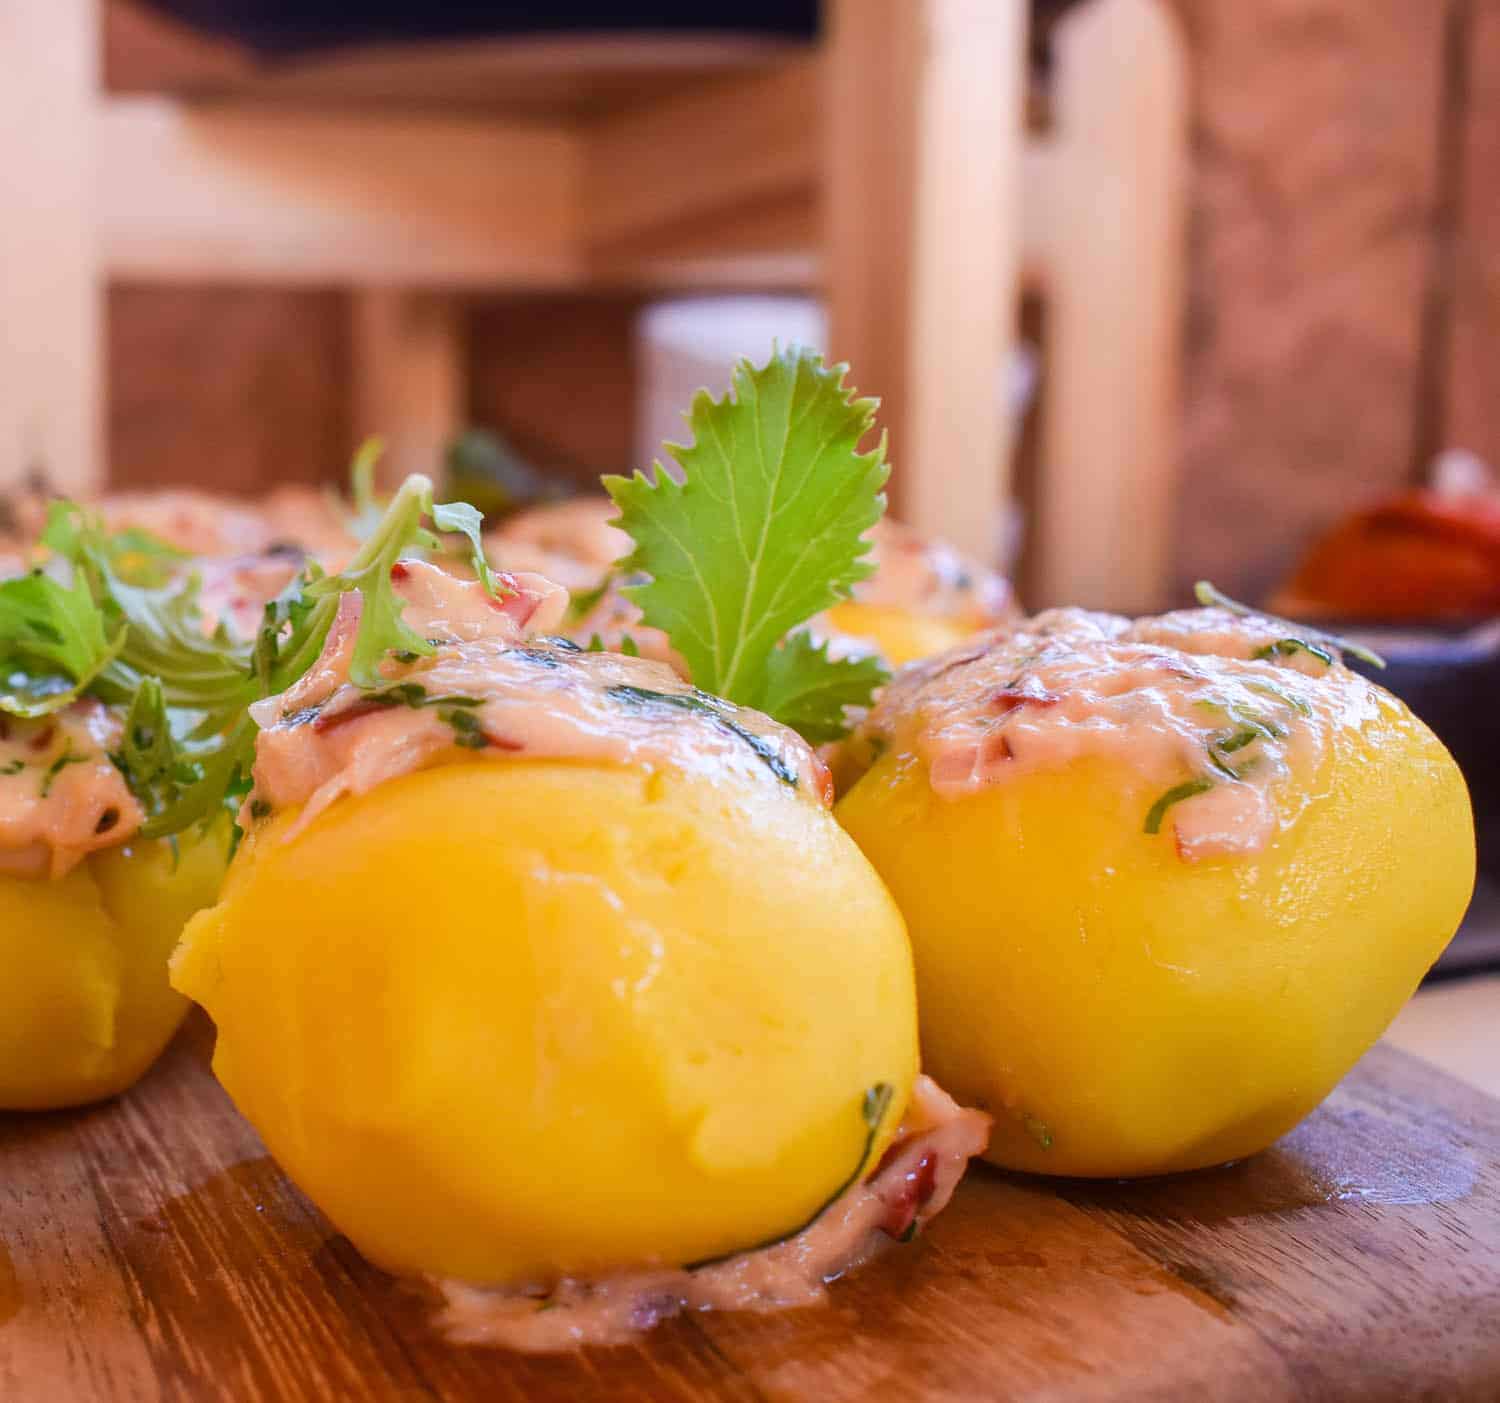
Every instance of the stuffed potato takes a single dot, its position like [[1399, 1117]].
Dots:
[[88, 915], [1165, 882], [556, 967]]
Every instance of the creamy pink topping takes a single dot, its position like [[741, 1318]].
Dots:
[[573, 543], [498, 686], [234, 590], [912, 1184], [578, 528], [930, 577], [1201, 697], [207, 524], [197, 522], [61, 796]]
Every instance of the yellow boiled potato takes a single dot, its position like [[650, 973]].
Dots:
[[85, 1007], [900, 635], [504, 1021], [1124, 1012]]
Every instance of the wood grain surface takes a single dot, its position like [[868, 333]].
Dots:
[[149, 1250]]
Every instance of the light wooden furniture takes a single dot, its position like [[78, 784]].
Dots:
[[887, 167]]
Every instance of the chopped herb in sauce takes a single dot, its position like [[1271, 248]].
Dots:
[[1286, 698], [260, 808], [717, 711], [1212, 598], [542, 657], [1175, 795], [1287, 647], [58, 766], [466, 728], [13, 767], [874, 1106]]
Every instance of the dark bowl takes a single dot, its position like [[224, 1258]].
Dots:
[[1450, 677]]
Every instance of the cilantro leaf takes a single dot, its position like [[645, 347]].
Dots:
[[764, 530], [811, 692]]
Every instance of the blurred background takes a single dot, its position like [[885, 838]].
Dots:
[[1152, 290]]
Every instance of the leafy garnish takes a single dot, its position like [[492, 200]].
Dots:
[[1175, 795], [811, 692], [53, 643], [765, 529], [368, 508], [1315, 641], [718, 712], [189, 744]]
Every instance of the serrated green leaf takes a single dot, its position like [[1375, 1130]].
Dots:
[[767, 526], [812, 693]]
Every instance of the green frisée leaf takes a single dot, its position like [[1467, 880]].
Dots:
[[765, 528], [190, 743], [460, 519], [53, 643], [382, 630], [367, 506], [811, 692]]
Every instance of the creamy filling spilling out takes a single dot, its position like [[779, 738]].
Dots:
[[1214, 710], [912, 1183], [61, 796], [498, 686]]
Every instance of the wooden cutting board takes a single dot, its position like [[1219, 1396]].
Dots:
[[150, 1250]]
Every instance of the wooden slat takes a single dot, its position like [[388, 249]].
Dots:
[[1113, 189], [50, 417], [965, 272], [706, 149], [150, 1251], [222, 192], [872, 70]]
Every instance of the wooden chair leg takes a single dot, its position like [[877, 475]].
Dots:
[[409, 377], [50, 380], [922, 240]]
